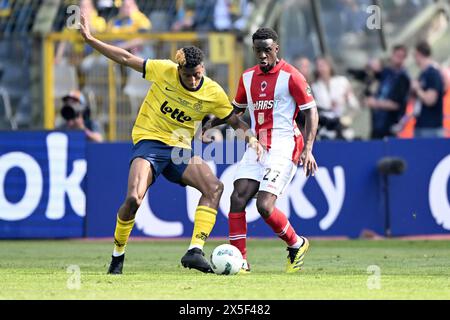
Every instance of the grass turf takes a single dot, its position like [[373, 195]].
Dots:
[[333, 270]]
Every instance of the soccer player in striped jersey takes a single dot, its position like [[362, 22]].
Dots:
[[179, 98], [274, 92]]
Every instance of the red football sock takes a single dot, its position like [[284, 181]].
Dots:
[[281, 226], [238, 231]]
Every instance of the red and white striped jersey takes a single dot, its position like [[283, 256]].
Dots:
[[274, 100]]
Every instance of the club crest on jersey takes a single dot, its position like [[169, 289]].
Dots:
[[263, 86], [198, 106], [260, 118], [309, 91]]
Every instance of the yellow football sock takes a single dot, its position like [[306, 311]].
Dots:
[[121, 235], [205, 218]]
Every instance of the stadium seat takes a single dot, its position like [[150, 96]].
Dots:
[[65, 79], [160, 21], [136, 89], [7, 120], [95, 72]]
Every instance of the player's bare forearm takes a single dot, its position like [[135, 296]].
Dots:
[[307, 159], [114, 53], [311, 126], [217, 122], [93, 136], [242, 127], [239, 125], [117, 54], [388, 105]]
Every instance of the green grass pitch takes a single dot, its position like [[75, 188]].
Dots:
[[333, 270]]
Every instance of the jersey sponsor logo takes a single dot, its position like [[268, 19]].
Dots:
[[265, 104], [184, 102], [175, 114]]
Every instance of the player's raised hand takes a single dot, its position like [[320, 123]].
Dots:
[[84, 27], [309, 162]]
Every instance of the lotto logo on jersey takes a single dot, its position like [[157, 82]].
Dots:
[[175, 114], [265, 104]]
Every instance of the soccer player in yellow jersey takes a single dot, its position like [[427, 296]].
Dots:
[[180, 96]]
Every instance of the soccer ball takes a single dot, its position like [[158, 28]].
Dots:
[[226, 259]]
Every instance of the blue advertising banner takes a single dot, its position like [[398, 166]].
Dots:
[[55, 185], [341, 200], [420, 196], [42, 184]]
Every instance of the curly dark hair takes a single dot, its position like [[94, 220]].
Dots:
[[265, 34], [189, 57], [424, 48]]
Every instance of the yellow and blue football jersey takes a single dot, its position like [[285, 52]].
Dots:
[[171, 113]]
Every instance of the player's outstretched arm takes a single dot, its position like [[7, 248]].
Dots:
[[311, 124], [114, 53], [214, 122], [240, 126]]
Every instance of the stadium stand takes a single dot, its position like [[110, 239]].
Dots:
[[309, 28]]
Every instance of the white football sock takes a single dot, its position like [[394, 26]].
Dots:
[[117, 254], [195, 246], [298, 244]]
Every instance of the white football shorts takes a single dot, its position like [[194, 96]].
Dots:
[[273, 172]]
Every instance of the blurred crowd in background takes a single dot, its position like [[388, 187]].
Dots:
[[394, 98], [401, 102]]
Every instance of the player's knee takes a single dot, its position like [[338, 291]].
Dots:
[[264, 206], [238, 200], [133, 203], [215, 190], [218, 188]]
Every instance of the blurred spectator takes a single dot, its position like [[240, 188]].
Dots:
[[231, 15], [369, 76], [354, 15], [304, 66], [106, 8], [96, 23], [184, 18], [429, 92], [204, 15], [129, 20], [76, 114], [389, 104], [5, 8], [446, 77], [336, 102]]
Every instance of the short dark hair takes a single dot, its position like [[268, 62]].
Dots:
[[330, 64], [189, 57], [265, 34], [400, 47], [424, 48]]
